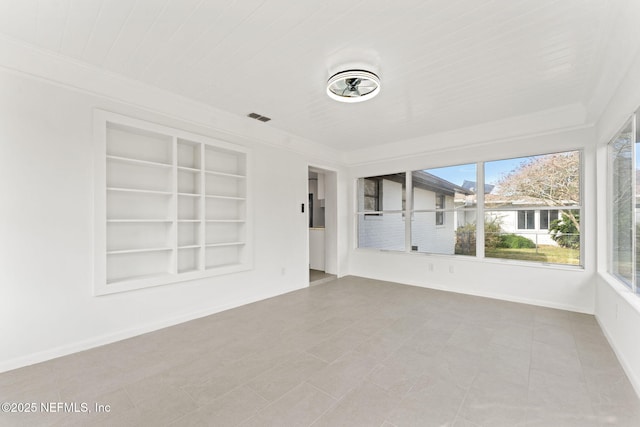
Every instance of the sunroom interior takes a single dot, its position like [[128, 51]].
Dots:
[[104, 240]]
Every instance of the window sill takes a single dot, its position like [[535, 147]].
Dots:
[[473, 258]]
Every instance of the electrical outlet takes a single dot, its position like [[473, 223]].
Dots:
[[430, 266], [451, 269]]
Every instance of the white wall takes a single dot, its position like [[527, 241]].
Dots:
[[618, 313], [562, 287], [46, 179], [617, 309]]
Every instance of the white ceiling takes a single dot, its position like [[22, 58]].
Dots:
[[444, 64]]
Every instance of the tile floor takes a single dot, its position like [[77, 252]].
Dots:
[[352, 352], [317, 277]]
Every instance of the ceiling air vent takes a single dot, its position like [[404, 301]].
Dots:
[[259, 117]]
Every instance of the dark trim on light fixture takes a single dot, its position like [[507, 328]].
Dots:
[[351, 71], [354, 85]]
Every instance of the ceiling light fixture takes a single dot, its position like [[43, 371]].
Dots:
[[353, 86]]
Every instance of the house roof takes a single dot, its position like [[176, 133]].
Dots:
[[471, 186], [430, 182]]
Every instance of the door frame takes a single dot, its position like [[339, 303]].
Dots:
[[331, 217]]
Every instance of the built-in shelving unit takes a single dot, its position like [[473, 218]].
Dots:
[[170, 205]]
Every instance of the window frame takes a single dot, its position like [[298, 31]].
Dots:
[[633, 283], [377, 197], [440, 209], [528, 213], [481, 209], [548, 218], [383, 216]]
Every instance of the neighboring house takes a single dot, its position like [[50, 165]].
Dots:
[[528, 220], [432, 230], [531, 223]]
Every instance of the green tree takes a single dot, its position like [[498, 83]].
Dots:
[[551, 180], [564, 230]]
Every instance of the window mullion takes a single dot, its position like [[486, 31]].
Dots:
[[480, 210], [408, 207], [634, 183]]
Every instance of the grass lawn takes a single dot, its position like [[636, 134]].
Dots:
[[549, 254]]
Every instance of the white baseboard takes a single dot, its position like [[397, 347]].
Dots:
[[98, 341], [635, 381], [503, 297]]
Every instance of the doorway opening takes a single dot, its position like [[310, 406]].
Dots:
[[322, 235]]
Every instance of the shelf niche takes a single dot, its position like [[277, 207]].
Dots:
[[170, 206]]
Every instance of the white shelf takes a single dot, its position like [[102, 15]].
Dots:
[[211, 196], [139, 162], [229, 175], [217, 245], [188, 169], [138, 220], [140, 277], [219, 266], [137, 190], [156, 179], [135, 251]]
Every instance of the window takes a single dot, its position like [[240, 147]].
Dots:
[[439, 205], [380, 212], [522, 190], [372, 187], [526, 220], [530, 208], [547, 217], [623, 205], [444, 210]]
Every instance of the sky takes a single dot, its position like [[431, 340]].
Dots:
[[493, 171]]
